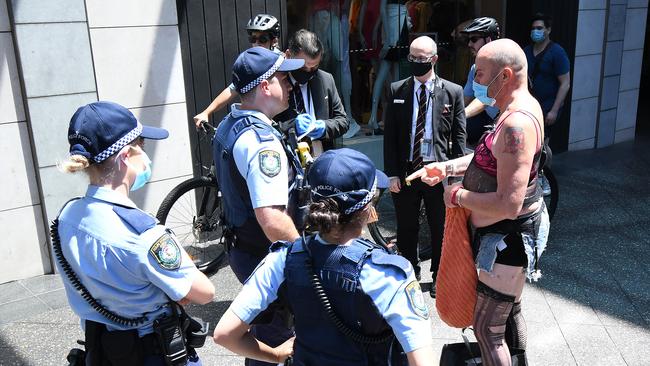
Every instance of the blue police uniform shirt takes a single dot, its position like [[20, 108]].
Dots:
[[468, 91], [387, 286], [554, 63], [113, 256], [262, 164]]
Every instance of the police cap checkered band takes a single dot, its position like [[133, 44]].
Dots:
[[101, 129], [119, 144], [358, 198], [257, 64], [250, 86], [361, 204], [348, 177]]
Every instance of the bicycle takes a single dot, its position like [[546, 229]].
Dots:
[[383, 231], [193, 210]]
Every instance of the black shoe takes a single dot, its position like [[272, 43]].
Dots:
[[432, 289]]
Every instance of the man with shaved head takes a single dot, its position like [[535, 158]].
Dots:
[[508, 217], [424, 123]]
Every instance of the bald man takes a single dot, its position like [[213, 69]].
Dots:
[[424, 123], [508, 216]]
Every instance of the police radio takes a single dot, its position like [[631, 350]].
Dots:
[[177, 332]]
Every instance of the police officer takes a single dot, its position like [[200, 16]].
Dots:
[[258, 174], [371, 291], [120, 267]]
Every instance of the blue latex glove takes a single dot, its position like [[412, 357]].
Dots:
[[306, 124]]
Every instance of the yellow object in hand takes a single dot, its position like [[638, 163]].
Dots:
[[304, 154]]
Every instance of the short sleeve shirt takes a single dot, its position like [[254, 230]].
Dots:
[[387, 286], [468, 91], [263, 164], [115, 261], [553, 63]]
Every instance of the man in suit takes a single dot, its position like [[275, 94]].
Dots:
[[314, 102], [424, 122]]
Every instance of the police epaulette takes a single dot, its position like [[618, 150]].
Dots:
[[375, 245], [139, 220], [263, 134], [398, 261], [274, 247]]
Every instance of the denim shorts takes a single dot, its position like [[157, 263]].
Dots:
[[490, 243]]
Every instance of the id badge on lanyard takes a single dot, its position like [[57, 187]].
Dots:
[[426, 149]]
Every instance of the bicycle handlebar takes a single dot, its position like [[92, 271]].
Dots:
[[204, 124]]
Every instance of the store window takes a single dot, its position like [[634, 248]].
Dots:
[[366, 44]]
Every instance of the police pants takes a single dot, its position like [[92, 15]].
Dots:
[[274, 333], [160, 361]]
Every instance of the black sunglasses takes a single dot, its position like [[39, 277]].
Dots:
[[262, 38], [475, 39]]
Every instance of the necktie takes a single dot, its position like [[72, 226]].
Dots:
[[419, 128], [295, 101]]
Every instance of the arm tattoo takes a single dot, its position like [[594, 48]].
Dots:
[[514, 142]]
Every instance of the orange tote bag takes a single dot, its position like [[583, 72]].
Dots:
[[457, 276]]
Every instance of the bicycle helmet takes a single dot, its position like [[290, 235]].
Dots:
[[264, 23], [484, 25]]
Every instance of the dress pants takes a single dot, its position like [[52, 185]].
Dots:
[[407, 210]]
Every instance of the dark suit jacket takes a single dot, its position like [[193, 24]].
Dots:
[[448, 120], [327, 107]]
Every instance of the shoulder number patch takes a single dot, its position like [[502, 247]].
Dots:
[[166, 252], [416, 299], [270, 162]]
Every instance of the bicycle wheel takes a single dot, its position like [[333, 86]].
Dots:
[[552, 198], [384, 230], [192, 210]]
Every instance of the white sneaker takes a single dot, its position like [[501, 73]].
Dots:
[[352, 130]]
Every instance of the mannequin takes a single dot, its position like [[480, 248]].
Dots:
[[393, 18], [331, 24]]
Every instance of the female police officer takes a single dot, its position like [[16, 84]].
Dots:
[[370, 292], [120, 268]]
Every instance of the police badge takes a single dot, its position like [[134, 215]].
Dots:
[[270, 163], [166, 252], [414, 294]]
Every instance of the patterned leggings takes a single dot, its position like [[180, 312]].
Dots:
[[490, 317]]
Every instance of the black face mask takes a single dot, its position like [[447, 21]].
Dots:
[[303, 76], [419, 69]]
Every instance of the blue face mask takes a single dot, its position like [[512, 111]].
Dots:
[[537, 35], [144, 176], [481, 92]]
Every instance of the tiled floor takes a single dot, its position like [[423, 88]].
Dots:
[[591, 307], [25, 298]]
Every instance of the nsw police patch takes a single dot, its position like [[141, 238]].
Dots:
[[270, 163], [416, 299], [166, 252]]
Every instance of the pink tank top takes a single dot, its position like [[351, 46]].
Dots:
[[485, 160]]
